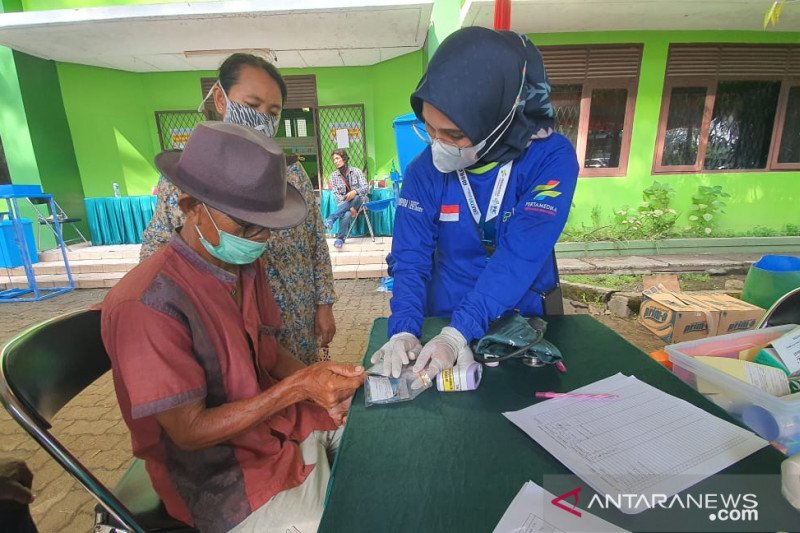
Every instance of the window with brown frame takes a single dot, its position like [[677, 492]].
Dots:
[[593, 95], [730, 108]]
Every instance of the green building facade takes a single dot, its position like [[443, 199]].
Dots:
[[77, 129]]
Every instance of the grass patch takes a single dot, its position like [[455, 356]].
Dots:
[[693, 277], [608, 281]]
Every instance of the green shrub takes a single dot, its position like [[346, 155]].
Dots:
[[705, 210]]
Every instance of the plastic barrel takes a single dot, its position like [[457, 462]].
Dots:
[[409, 145], [770, 278]]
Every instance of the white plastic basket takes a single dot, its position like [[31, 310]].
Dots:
[[774, 418]]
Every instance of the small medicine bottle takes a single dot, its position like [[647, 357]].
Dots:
[[460, 378]]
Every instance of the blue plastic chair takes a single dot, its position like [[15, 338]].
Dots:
[[376, 206]]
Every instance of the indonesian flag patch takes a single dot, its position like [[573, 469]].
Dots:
[[449, 213]]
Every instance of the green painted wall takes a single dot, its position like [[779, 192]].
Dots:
[[108, 117], [757, 198], [111, 114], [50, 134], [445, 19], [13, 122]]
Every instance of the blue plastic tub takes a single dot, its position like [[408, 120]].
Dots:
[[10, 255], [409, 145]]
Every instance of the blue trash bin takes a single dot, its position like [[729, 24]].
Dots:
[[409, 145], [10, 255]]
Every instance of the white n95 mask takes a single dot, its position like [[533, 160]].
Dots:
[[449, 158]]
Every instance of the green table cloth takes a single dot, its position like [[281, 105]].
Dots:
[[119, 220], [453, 462], [382, 221]]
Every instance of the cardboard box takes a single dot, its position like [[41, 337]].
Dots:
[[678, 317]]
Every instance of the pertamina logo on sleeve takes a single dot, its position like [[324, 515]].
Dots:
[[541, 202]]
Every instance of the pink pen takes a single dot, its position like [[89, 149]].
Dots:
[[576, 396], [560, 367]]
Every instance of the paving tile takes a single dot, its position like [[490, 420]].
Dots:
[[371, 271], [344, 271], [625, 263], [568, 264], [696, 261], [372, 258], [345, 258]]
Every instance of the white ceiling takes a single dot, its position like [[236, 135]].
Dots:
[[170, 37], [551, 16]]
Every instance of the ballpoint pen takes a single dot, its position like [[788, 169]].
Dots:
[[576, 396]]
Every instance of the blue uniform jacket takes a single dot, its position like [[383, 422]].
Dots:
[[440, 267]]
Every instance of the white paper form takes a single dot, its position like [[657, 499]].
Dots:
[[644, 443], [342, 138], [526, 514]]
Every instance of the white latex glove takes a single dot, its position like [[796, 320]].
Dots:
[[440, 353], [790, 474], [398, 351]]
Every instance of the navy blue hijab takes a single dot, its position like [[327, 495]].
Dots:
[[474, 78]]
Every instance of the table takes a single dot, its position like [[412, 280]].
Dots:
[[382, 221], [452, 462], [119, 220]]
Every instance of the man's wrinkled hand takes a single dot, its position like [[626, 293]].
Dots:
[[328, 384], [398, 351], [339, 411], [15, 481]]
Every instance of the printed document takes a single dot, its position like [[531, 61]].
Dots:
[[646, 442], [527, 514]]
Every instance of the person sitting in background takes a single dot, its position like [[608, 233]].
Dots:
[[350, 189], [251, 92], [234, 431]]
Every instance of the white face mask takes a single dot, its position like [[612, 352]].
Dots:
[[449, 158]]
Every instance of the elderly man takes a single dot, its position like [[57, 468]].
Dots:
[[234, 431]]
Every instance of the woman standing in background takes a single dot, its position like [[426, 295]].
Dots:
[[251, 92]]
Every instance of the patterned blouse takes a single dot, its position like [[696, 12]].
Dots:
[[297, 262]]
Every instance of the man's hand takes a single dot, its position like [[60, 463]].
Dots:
[[398, 351], [441, 352], [15, 481], [324, 324], [350, 195], [329, 384], [339, 411]]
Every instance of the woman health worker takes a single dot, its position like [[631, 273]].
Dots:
[[482, 208]]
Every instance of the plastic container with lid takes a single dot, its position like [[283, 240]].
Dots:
[[776, 419]]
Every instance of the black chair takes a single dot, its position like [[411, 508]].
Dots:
[[42, 369], [45, 218], [554, 299], [785, 311]]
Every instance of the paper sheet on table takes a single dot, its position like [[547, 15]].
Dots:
[[526, 514], [645, 442], [342, 138]]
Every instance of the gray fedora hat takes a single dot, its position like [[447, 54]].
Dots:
[[238, 171]]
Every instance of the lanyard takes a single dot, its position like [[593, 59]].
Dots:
[[486, 232], [496, 199]]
